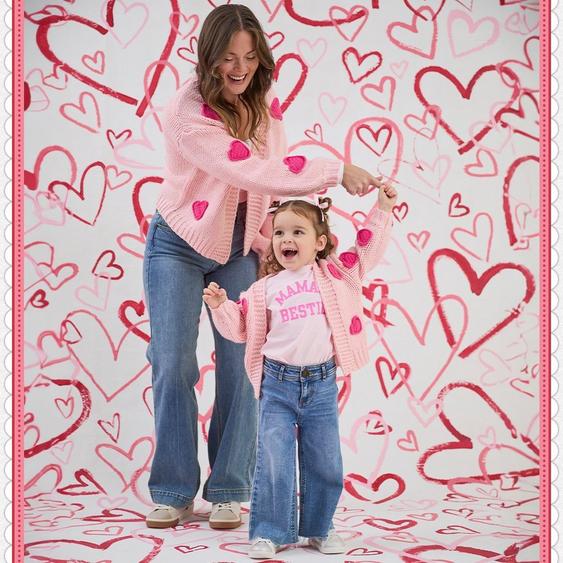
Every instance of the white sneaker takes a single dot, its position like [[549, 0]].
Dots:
[[331, 545], [225, 515], [262, 548], [164, 516]]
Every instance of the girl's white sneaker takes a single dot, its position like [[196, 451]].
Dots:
[[262, 548], [331, 545]]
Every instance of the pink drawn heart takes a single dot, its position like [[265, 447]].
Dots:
[[418, 37], [476, 242], [85, 114]]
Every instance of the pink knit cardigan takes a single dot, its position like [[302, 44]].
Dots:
[[339, 279], [206, 168]]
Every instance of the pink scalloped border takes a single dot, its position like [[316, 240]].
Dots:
[[17, 285], [545, 295]]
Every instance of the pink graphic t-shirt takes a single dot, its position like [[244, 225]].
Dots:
[[298, 333]]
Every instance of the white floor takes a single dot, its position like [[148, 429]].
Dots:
[[493, 525]]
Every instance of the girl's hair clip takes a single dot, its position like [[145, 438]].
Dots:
[[274, 206]]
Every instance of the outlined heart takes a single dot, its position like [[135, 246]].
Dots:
[[477, 284]]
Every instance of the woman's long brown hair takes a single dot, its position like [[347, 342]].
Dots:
[[318, 218], [216, 32]]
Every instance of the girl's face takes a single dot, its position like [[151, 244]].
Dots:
[[295, 241], [238, 65]]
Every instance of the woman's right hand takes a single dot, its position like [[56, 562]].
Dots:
[[213, 295], [358, 181]]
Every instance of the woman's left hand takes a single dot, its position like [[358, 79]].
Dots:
[[387, 197]]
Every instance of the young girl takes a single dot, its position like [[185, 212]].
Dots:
[[300, 322]]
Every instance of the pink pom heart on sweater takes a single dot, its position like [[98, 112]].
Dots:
[[364, 236], [275, 109], [349, 259], [295, 163], [243, 305], [334, 271], [209, 112], [355, 325], [238, 151], [199, 208]]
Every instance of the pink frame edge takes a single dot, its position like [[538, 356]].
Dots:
[[545, 296]]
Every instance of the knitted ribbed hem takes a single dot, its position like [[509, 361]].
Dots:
[[210, 247], [332, 175]]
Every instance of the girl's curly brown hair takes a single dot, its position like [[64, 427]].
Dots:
[[216, 32], [319, 220]]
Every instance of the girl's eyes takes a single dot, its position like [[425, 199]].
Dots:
[[296, 232]]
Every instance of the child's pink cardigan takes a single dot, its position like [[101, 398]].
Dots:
[[206, 168], [339, 279]]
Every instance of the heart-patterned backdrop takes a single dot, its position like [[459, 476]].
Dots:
[[440, 431]]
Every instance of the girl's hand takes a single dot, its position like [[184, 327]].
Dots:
[[213, 295], [358, 181], [387, 197]]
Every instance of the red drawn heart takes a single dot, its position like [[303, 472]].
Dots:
[[464, 442], [116, 139], [140, 215], [426, 8], [300, 81], [38, 299], [139, 309], [351, 16], [359, 66], [353, 483], [106, 267], [74, 426], [31, 179], [85, 203], [390, 372], [456, 208], [85, 485], [509, 212], [390, 525], [503, 73], [45, 24], [477, 284], [74, 550]]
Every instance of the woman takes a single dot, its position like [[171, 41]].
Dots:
[[225, 158]]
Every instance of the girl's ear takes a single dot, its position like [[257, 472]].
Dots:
[[321, 243]]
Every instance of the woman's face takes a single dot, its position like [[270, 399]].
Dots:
[[238, 65]]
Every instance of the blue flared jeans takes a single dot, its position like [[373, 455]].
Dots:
[[297, 405], [174, 276]]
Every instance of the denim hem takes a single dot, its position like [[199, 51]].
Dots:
[[226, 495], [164, 497], [286, 540]]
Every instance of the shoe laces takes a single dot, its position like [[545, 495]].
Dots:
[[268, 542], [224, 506]]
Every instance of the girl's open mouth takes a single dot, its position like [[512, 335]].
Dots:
[[289, 253]]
